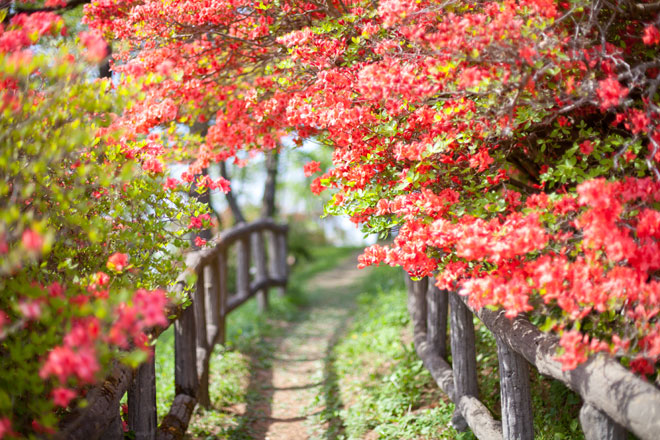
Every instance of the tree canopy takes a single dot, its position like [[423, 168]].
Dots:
[[514, 144]]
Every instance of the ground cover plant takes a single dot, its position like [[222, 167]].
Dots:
[[385, 392]]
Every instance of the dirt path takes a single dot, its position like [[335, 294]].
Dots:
[[299, 367]]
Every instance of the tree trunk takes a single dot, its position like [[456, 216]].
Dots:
[[104, 67], [268, 206], [231, 200]]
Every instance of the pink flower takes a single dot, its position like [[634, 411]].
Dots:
[[610, 92], [482, 160], [316, 186], [153, 165], [311, 168], [151, 305], [5, 427], [223, 185], [171, 183], [4, 320], [59, 363], [586, 147], [195, 223], [102, 278], [651, 35], [62, 396], [4, 247], [30, 309], [97, 48], [117, 262], [527, 53], [32, 241], [574, 350], [199, 241], [55, 289]]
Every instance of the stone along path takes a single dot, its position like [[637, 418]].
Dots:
[[299, 369]]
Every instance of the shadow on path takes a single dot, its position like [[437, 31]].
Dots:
[[292, 383]]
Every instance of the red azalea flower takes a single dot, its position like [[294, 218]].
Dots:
[[117, 262]]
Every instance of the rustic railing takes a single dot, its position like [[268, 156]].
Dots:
[[615, 399], [261, 253]]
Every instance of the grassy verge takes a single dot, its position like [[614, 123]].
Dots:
[[249, 335], [385, 392], [383, 389]]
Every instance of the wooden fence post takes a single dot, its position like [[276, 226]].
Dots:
[[260, 263], [211, 301], [243, 268], [598, 426], [436, 318], [517, 418], [274, 265], [185, 353], [142, 402], [222, 296], [417, 304], [282, 257], [203, 350], [463, 355], [115, 430]]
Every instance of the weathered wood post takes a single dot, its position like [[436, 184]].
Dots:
[[243, 268], [211, 300], [282, 254], [417, 304], [515, 393], [260, 263], [463, 355], [598, 426], [185, 354], [436, 318], [222, 296], [175, 423], [142, 402], [274, 265], [202, 345]]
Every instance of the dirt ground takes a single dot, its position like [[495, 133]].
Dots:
[[289, 385]]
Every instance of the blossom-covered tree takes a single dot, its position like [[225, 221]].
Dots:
[[88, 225], [514, 143]]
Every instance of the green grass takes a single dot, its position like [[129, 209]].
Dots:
[[384, 391]]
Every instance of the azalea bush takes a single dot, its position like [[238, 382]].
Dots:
[[514, 144], [91, 228]]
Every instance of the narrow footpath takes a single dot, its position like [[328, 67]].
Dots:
[[298, 369]]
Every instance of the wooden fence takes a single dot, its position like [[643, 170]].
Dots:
[[615, 400], [261, 253]]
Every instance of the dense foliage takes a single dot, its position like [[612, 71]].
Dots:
[[513, 143], [88, 226]]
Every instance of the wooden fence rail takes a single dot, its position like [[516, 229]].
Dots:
[[261, 252], [615, 400]]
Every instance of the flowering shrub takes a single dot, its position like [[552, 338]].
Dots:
[[514, 143], [88, 228]]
